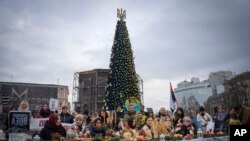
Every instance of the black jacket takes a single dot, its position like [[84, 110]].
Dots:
[[44, 114], [94, 131], [46, 132]]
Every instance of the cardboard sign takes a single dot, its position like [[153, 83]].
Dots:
[[37, 124], [19, 122]]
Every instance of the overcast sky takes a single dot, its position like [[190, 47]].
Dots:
[[43, 41]]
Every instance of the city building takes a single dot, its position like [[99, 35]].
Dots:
[[191, 95], [12, 93], [237, 91], [216, 80], [89, 89], [195, 93]]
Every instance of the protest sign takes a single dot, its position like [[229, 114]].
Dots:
[[19, 122], [37, 124], [53, 104]]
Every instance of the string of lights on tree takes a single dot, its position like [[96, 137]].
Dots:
[[122, 80]]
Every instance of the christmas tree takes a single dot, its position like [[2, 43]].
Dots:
[[122, 84]]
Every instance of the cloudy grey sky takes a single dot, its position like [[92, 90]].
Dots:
[[45, 40]]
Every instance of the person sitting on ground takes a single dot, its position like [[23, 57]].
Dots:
[[78, 127], [187, 130], [149, 129], [65, 116], [45, 111], [130, 113], [96, 129], [130, 129], [52, 128], [177, 118]]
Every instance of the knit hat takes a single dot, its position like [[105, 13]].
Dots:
[[53, 118]]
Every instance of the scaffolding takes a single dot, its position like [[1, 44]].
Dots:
[[75, 91]]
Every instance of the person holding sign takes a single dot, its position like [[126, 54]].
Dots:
[[24, 106], [52, 127]]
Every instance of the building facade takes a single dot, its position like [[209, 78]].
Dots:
[[36, 94], [191, 95], [237, 91], [216, 80], [196, 93], [91, 90]]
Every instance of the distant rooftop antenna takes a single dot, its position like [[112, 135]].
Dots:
[[58, 81]]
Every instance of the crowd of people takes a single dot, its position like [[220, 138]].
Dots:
[[128, 124]]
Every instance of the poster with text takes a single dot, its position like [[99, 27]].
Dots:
[[53, 104]]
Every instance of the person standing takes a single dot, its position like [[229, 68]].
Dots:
[[203, 117]]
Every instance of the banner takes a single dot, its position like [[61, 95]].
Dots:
[[38, 123]]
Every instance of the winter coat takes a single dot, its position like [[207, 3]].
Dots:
[[45, 113], [75, 130], [150, 133], [49, 129], [204, 119], [66, 118], [185, 130], [97, 131]]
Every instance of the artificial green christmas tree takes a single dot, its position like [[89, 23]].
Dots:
[[122, 85]]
